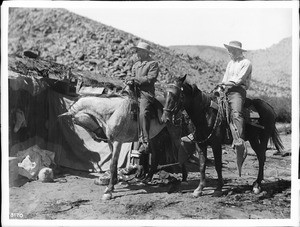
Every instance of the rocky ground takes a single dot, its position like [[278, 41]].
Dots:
[[73, 195]]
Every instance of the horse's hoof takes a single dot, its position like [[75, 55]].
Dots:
[[184, 183], [107, 196], [108, 190], [217, 193], [146, 181], [256, 190], [196, 194], [101, 182]]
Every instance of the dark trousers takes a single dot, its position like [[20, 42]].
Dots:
[[236, 99], [145, 116]]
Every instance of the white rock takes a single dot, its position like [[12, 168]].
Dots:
[[45, 175]]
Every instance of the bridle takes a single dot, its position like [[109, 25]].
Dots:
[[173, 88], [178, 107]]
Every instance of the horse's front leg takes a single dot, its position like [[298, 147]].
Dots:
[[202, 151], [115, 148], [217, 151]]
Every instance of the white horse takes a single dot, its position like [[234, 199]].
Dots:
[[114, 115]]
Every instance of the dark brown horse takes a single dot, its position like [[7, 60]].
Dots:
[[182, 95]]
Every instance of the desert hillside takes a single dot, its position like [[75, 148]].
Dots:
[[211, 54], [272, 65], [81, 44]]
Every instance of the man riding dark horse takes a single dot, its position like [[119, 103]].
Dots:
[[235, 82]]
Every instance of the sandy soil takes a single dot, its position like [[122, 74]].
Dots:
[[74, 195]]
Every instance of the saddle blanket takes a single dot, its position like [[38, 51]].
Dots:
[[250, 114]]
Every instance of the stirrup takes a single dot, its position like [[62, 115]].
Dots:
[[144, 148], [238, 143]]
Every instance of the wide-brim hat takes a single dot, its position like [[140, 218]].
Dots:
[[143, 46], [235, 45]]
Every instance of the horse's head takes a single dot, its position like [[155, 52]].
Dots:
[[174, 100]]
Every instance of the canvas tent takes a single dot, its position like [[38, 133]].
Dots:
[[39, 91], [41, 104]]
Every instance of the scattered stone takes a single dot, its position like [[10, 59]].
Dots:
[[116, 40], [286, 154], [94, 61], [45, 175], [237, 197], [31, 54], [82, 57]]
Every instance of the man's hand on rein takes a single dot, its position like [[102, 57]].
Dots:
[[228, 85], [129, 82]]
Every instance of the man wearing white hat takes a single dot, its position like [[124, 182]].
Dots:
[[145, 72], [236, 81]]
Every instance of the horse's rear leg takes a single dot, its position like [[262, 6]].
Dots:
[[202, 150], [184, 172], [260, 148], [116, 148]]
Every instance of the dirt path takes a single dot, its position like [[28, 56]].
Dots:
[[75, 196]]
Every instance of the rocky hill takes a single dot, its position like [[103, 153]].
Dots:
[[272, 65], [84, 45], [211, 54]]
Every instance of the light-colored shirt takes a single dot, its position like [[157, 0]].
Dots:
[[239, 71]]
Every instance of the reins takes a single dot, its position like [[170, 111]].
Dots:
[[177, 104], [216, 123]]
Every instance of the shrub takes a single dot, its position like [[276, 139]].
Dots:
[[281, 106]]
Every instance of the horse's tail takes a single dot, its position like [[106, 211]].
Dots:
[[268, 120], [73, 108], [276, 140], [63, 115]]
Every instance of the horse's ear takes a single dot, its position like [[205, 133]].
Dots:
[[195, 89], [182, 79]]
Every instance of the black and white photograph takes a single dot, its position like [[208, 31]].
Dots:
[[161, 113]]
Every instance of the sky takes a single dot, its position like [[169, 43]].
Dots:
[[256, 26]]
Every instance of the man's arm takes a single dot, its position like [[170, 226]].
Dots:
[[244, 73], [225, 77], [152, 74], [133, 70]]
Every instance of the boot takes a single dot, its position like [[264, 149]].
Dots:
[[145, 134], [241, 153], [239, 146], [145, 146]]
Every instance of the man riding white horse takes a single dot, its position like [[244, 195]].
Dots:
[[235, 82], [145, 72]]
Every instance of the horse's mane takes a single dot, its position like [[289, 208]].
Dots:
[[194, 92], [121, 94], [112, 95]]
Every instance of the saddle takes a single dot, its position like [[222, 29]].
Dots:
[[250, 114], [155, 114]]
